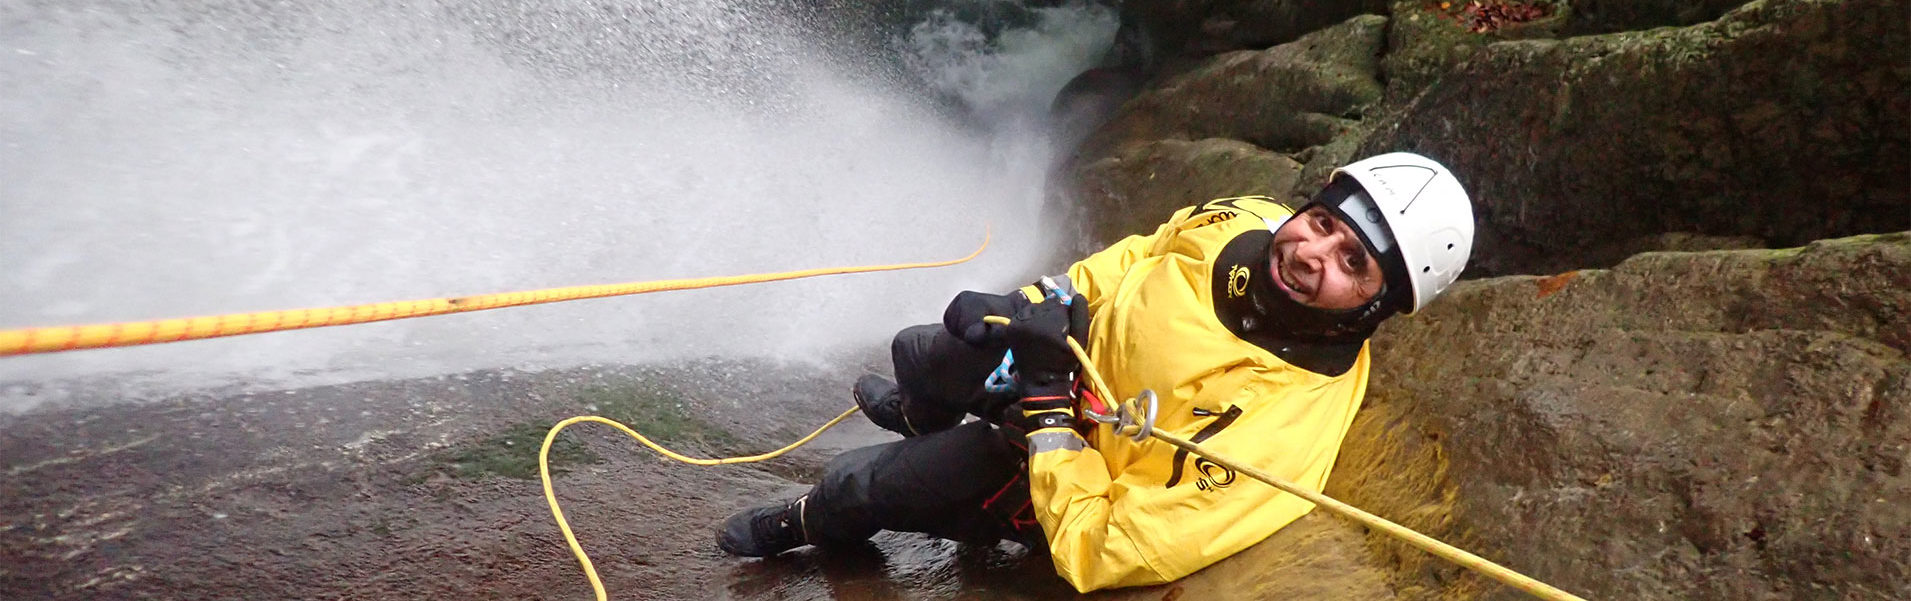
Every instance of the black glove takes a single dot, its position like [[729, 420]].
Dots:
[[964, 316], [1038, 333]]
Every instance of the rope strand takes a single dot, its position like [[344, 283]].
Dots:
[[550, 495], [67, 338]]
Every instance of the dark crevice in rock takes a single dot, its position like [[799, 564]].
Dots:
[[1610, 16]]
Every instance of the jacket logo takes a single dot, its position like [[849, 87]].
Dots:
[[1237, 281], [1210, 474], [1213, 477]]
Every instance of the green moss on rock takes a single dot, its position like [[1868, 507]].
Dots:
[[512, 452], [660, 415]]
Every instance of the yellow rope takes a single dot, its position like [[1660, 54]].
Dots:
[[544, 471], [66, 338]]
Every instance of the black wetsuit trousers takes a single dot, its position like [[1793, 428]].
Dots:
[[966, 483]]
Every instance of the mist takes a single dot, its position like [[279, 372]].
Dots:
[[163, 160]]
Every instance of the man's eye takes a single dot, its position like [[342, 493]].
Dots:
[[1321, 225]]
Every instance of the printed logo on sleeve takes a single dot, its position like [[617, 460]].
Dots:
[[1237, 281]]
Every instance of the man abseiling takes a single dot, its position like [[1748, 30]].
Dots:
[[1248, 320]]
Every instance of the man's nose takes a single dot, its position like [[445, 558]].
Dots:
[[1314, 250]]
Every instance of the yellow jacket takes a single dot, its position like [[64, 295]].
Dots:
[[1120, 513]]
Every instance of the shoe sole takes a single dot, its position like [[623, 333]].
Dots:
[[907, 429]]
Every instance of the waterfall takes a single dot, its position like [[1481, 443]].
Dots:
[[176, 159]]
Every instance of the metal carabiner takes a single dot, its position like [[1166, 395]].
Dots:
[[1137, 413], [1145, 424]]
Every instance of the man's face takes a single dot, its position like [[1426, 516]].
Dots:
[[1319, 261]]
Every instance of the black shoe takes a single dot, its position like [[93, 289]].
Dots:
[[882, 402], [764, 531]]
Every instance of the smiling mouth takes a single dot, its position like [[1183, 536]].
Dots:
[[1285, 276], [1287, 280]]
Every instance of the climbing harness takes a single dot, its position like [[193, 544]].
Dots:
[[1143, 427], [67, 338]]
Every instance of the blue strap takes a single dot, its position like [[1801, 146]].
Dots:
[[1002, 381]]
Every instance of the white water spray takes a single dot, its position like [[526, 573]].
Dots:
[[167, 161]]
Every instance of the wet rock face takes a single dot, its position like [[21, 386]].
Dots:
[[1718, 425], [1145, 183], [1285, 98], [1424, 43], [1765, 123], [1784, 120], [1243, 123], [1177, 33]]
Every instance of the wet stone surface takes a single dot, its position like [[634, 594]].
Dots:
[[427, 489]]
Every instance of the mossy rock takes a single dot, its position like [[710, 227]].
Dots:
[[1241, 123], [658, 414], [1181, 33], [1742, 414], [1784, 120], [1139, 188], [512, 453]]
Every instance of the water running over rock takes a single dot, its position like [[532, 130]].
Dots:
[[164, 160]]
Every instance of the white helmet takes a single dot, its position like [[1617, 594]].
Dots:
[[1427, 212]]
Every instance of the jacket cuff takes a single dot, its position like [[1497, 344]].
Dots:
[[1055, 440]]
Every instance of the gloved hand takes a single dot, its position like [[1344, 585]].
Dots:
[[964, 316], [1038, 334]]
